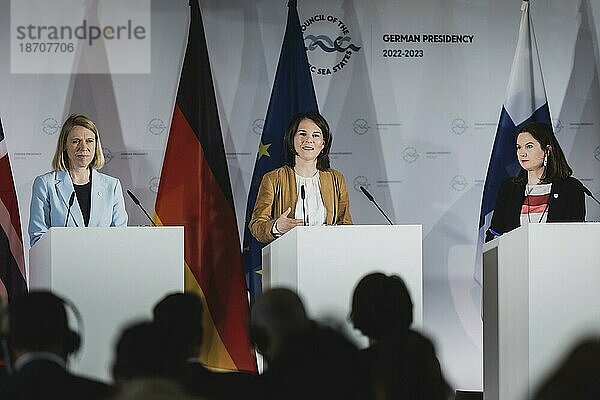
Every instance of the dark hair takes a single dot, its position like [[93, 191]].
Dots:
[[277, 313], [381, 303], [38, 322], [557, 167], [182, 313], [288, 141], [147, 350]]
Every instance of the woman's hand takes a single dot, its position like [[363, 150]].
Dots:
[[284, 224]]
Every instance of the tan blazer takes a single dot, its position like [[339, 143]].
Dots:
[[277, 192]]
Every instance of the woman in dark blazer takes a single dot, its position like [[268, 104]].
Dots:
[[543, 190]]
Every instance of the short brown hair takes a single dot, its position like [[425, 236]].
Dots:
[[60, 162]]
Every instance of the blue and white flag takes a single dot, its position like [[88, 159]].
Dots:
[[525, 102]]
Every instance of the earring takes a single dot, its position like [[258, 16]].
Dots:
[[545, 160]]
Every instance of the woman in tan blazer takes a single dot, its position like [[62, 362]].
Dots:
[[280, 205]]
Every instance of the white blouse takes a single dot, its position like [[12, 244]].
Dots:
[[313, 203]]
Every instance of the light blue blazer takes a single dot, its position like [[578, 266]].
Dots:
[[50, 201]]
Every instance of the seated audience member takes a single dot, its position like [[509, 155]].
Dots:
[[144, 351], [148, 363], [304, 360], [40, 341], [577, 377], [401, 362], [181, 314]]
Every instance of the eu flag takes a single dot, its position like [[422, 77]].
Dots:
[[292, 93]]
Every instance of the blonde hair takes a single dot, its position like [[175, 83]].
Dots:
[[60, 162]]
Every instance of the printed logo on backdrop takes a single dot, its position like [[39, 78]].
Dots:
[[458, 126], [328, 43], [50, 126], [597, 153], [153, 184], [459, 183], [257, 126], [79, 36], [156, 126], [558, 126], [108, 156], [360, 126], [359, 181], [410, 154]]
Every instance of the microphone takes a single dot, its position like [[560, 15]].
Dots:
[[303, 196], [137, 202], [588, 192], [372, 199], [71, 200]]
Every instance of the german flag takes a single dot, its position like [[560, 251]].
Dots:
[[195, 191]]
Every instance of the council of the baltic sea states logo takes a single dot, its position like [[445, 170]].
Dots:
[[328, 43]]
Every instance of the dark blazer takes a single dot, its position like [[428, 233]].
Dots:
[[403, 365], [566, 204], [45, 379]]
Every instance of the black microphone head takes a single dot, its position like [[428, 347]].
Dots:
[[302, 193], [366, 193], [71, 199], [585, 189], [135, 200]]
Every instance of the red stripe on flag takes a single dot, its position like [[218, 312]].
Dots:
[[190, 195], [8, 195]]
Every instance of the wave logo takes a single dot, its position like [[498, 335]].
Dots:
[[328, 43]]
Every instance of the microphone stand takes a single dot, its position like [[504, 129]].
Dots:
[[372, 199]]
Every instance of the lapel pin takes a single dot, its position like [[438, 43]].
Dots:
[[556, 195]]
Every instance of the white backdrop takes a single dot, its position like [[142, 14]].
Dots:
[[416, 131]]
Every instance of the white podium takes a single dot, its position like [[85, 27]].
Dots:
[[324, 264], [114, 276], [541, 293]]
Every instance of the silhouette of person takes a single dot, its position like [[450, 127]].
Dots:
[[401, 362], [40, 342], [182, 314], [304, 360]]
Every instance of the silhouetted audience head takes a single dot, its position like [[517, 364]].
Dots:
[[38, 323], [577, 377], [277, 313], [304, 359], [381, 303], [182, 314], [400, 362], [147, 350]]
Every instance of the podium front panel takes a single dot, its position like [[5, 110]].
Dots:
[[113, 276], [324, 264]]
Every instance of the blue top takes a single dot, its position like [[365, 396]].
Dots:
[[50, 201]]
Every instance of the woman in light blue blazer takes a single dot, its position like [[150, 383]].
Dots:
[[75, 193]]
